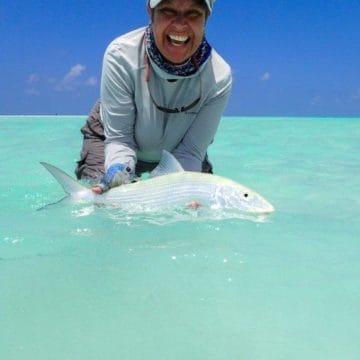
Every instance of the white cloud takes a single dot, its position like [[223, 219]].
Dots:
[[91, 81], [355, 96], [32, 92], [339, 99], [265, 77], [33, 78], [70, 80], [315, 101], [74, 79], [74, 72], [348, 99], [31, 88]]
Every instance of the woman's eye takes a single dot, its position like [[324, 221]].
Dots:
[[193, 14], [167, 12], [170, 13]]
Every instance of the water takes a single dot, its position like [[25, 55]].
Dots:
[[91, 283]]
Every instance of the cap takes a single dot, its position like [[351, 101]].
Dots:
[[209, 3]]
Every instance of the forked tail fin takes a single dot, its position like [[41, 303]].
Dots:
[[69, 185]]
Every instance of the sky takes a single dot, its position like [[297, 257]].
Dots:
[[289, 58]]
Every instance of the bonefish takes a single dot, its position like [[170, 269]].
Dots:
[[169, 185]]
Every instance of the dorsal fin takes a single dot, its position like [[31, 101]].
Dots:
[[167, 165], [69, 185]]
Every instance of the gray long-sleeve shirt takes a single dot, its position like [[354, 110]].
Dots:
[[135, 128]]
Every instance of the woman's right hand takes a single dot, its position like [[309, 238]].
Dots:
[[117, 174]]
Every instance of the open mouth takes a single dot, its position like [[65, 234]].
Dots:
[[178, 40]]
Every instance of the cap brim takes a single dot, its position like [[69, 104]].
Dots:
[[154, 3]]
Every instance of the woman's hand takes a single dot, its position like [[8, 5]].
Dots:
[[117, 174]]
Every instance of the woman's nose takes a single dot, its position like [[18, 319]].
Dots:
[[180, 20]]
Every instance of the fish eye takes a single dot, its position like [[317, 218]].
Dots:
[[246, 195]]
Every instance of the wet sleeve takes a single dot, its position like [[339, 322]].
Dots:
[[192, 149], [118, 109]]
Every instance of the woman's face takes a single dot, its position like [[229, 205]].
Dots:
[[178, 27]]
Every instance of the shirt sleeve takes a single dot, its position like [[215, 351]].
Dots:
[[192, 149], [118, 110]]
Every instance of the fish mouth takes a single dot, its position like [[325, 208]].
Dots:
[[261, 206], [264, 209], [267, 211]]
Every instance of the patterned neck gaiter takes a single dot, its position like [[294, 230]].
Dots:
[[190, 67]]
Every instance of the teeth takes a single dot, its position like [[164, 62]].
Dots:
[[178, 38]]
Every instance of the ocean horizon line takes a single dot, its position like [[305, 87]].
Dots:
[[223, 117]]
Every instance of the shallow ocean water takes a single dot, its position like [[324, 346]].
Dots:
[[79, 282]]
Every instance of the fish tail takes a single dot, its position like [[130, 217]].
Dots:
[[69, 185]]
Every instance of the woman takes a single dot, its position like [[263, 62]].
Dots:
[[162, 87]]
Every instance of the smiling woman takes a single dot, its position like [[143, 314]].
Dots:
[[178, 28], [163, 87]]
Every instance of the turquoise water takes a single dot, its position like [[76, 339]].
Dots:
[[90, 283]]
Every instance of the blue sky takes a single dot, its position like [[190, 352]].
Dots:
[[289, 58]]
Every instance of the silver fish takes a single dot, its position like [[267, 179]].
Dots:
[[168, 186]]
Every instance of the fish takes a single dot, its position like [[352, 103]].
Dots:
[[169, 185]]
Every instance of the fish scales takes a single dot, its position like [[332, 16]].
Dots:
[[170, 185], [173, 188]]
